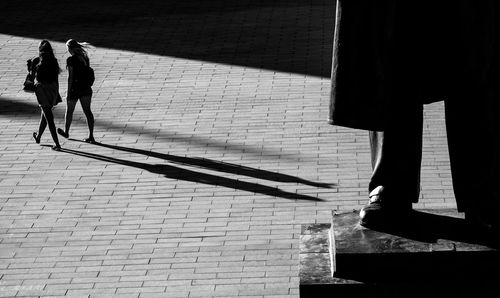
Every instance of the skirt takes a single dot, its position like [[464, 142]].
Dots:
[[48, 95]]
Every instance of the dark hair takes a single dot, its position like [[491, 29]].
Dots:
[[45, 46], [46, 53]]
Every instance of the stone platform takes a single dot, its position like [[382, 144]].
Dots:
[[435, 255]]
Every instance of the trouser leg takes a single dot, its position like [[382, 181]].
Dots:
[[472, 112], [396, 158], [473, 144]]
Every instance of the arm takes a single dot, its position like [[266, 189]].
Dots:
[[70, 82]]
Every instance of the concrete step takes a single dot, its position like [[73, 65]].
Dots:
[[435, 254]]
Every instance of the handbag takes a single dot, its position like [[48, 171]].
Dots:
[[29, 83]]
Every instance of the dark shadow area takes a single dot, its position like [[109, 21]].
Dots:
[[431, 227], [29, 108], [19, 107], [415, 268], [172, 172], [217, 166], [466, 286], [284, 35]]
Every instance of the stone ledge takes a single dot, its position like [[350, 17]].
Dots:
[[437, 255]]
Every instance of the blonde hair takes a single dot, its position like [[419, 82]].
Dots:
[[79, 48]]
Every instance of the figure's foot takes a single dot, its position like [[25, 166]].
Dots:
[[380, 213], [89, 140], [35, 136], [63, 133], [56, 147]]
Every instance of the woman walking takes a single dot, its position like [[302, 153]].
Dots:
[[46, 70], [79, 87]]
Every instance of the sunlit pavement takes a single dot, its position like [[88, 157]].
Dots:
[[213, 150]]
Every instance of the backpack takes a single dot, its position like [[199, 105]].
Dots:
[[88, 76], [85, 76]]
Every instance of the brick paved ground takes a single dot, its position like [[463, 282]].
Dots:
[[215, 149]]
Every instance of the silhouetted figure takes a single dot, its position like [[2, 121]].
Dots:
[[46, 70], [79, 86], [392, 57]]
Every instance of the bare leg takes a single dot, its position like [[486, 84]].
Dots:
[[70, 109], [85, 101], [42, 126], [49, 118]]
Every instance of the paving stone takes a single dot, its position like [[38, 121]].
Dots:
[[214, 149]]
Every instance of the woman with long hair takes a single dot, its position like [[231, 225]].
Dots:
[[46, 70], [79, 87]]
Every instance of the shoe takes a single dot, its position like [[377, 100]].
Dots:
[[63, 133], [35, 136], [379, 214], [56, 147], [89, 140]]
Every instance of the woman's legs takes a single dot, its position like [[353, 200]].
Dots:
[[85, 101], [70, 109], [41, 127], [49, 120]]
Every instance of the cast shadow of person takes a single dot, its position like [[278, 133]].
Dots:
[[179, 173], [219, 166]]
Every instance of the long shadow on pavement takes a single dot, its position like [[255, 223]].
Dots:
[[284, 35], [18, 107], [218, 166], [173, 172]]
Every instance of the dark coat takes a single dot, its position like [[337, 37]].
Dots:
[[389, 55]]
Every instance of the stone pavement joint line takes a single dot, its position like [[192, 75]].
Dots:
[[214, 150]]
